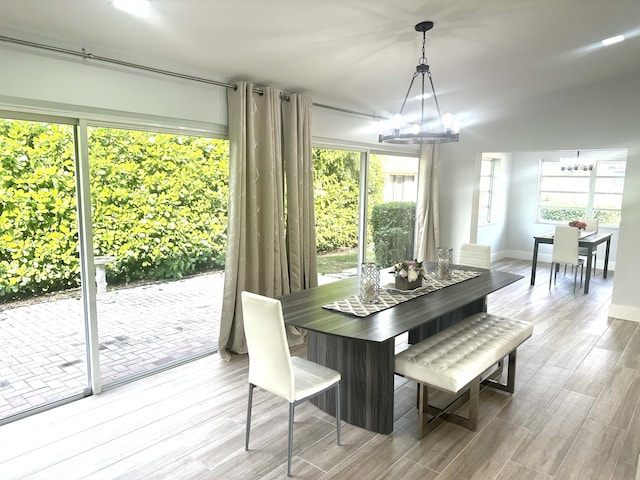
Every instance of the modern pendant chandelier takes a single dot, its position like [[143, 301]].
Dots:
[[574, 164], [439, 129]]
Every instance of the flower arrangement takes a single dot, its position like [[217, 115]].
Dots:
[[412, 270], [578, 224]]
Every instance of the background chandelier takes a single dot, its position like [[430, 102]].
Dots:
[[574, 164], [441, 129]]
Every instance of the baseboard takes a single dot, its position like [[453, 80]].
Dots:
[[543, 257], [624, 312]]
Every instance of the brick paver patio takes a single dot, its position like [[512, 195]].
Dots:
[[42, 345]]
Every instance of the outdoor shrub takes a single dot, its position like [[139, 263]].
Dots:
[[168, 196], [38, 224], [336, 178], [392, 230], [159, 205], [337, 196]]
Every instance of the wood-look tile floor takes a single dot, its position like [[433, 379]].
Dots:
[[574, 414]]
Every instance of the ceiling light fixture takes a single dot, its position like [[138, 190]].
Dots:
[[139, 8], [439, 129], [574, 164], [612, 40]]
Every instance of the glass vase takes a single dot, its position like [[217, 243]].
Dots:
[[369, 283], [445, 259]]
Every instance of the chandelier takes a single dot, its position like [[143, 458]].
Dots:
[[574, 164], [441, 129]]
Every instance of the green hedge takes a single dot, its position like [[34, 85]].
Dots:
[[560, 214], [337, 196], [392, 226], [160, 202], [38, 224], [158, 205], [336, 178]]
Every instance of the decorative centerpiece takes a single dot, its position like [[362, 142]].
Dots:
[[409, 274], [578, 224], [445, 259], [369, 283]]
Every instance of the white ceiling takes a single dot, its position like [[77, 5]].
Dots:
[[356, 54]]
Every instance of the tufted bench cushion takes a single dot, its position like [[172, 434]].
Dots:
[[457, 356], [450, 359]]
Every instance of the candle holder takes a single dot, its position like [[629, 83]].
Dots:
[[369, 282], [445, 259]]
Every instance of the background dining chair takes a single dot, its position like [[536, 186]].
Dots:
[[475, 255], [592, 226], [272, 368], [565, 251]]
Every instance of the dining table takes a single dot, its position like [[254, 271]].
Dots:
[[362, 348], [588, 240]]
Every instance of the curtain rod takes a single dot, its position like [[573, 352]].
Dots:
[[90, 56]]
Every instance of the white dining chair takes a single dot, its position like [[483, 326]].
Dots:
[[565, 251], [475, 255], [592, 226], [272, 368]]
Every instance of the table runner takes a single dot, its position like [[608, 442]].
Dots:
[[390, 297]]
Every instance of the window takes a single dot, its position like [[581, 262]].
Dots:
[[487, 175], [392, 215], [592, 189], [336, 181], [39, 256], [353, 222], [156, 206], [159, 210], [401, 188]]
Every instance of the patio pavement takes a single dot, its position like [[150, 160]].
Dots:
[[141, 329], [42, 345]]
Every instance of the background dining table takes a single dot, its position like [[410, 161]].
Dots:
[[590, 241]]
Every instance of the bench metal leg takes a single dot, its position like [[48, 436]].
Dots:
[[427, 423], [511, 377], [429, 417]]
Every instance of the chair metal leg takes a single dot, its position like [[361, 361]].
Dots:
[[338, 413], [550, 275], [292, 408], [575, 279], [246, 439]]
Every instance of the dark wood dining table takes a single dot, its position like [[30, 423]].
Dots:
[[362, 349], [590, 242]]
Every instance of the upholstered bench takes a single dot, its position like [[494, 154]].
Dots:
[[456, 358]]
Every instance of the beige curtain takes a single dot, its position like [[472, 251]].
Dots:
[[427, 216], [301, 224], [257, 259]]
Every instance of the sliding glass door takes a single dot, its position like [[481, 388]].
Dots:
[[365, 209], [150, 238], [42, 334], [337, 211], [391, 209], [159, 216]]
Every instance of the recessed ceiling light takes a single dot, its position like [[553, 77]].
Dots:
[[139, 8], [612, 40]]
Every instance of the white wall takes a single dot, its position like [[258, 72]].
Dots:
[[52, 81], [520, 204], [604, 115], [599, 116]]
